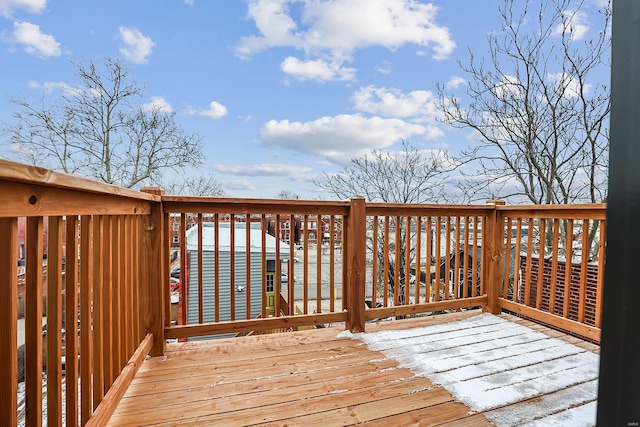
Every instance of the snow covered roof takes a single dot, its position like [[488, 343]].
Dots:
[[224, 238]]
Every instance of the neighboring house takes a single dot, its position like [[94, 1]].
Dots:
[[288, 227], [174, 226], [226, 264], [318, 230], [22, 241]]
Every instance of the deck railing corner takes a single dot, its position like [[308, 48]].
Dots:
[[154, 271]]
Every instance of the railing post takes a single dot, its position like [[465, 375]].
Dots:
[[493, 242], [356, 264], [156, 274], [8, 320]]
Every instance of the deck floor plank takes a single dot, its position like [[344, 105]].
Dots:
[[432, 416], [302, 378], [307, 385], [186, 369], [432, 399], [208, 377]]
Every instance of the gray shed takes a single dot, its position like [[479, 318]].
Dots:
[[241, 283]]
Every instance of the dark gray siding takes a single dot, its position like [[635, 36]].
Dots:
[[239, 286]]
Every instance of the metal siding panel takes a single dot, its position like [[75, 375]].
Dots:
[[208, 274]]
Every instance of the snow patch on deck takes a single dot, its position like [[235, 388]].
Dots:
[[491, 364]]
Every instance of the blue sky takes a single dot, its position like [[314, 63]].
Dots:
[[281, 91]]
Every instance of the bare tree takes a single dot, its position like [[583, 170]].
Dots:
[[288, 195], [406, 176], [99, 129], [538, 114], [203, 185]]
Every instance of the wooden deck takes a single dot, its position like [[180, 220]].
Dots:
[[300, 378]]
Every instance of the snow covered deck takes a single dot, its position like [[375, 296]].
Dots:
[[456, 369]]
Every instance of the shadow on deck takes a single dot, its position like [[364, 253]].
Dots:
[[502, 370]]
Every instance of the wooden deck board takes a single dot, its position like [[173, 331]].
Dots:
[[300, 378], [436, 415]]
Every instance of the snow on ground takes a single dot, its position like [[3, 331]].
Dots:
[[22, 402], [487, 363]]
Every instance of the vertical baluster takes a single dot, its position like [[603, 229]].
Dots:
[[71, 320], [8, 316], [554, 266], [86, 298], [54, 321], [98, 310], [247, 244], [418, 254], [583, 270], [200, 269]]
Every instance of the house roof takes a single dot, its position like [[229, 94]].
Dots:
[[224, 238]]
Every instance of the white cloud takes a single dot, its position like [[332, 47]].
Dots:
[[31, 6], [455, 82], [273, 23], [433, 132], [158, 103], [136, 46], [393, 103], [602, 3], [215, 111], [189, 110], [335, 29], [318, 70], [265, 169], [384, 67], [568, 85], [189, 2], [338, 138], [49, 87], [35, 41], [509, 88], [22, 149], [239, 185], [574, 24]]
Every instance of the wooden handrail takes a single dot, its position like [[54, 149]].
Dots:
[[35, 175]]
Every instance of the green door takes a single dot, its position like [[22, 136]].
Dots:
[[271, 294]]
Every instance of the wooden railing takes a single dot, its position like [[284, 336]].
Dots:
[[94, 241], [254, 266], [392, 258], [555, 266], [236, 269]]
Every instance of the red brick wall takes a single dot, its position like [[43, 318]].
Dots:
[[574, 288]]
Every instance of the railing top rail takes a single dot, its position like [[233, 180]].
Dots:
[[577, 211], [28, 174], [428, 209], [180, 204]]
